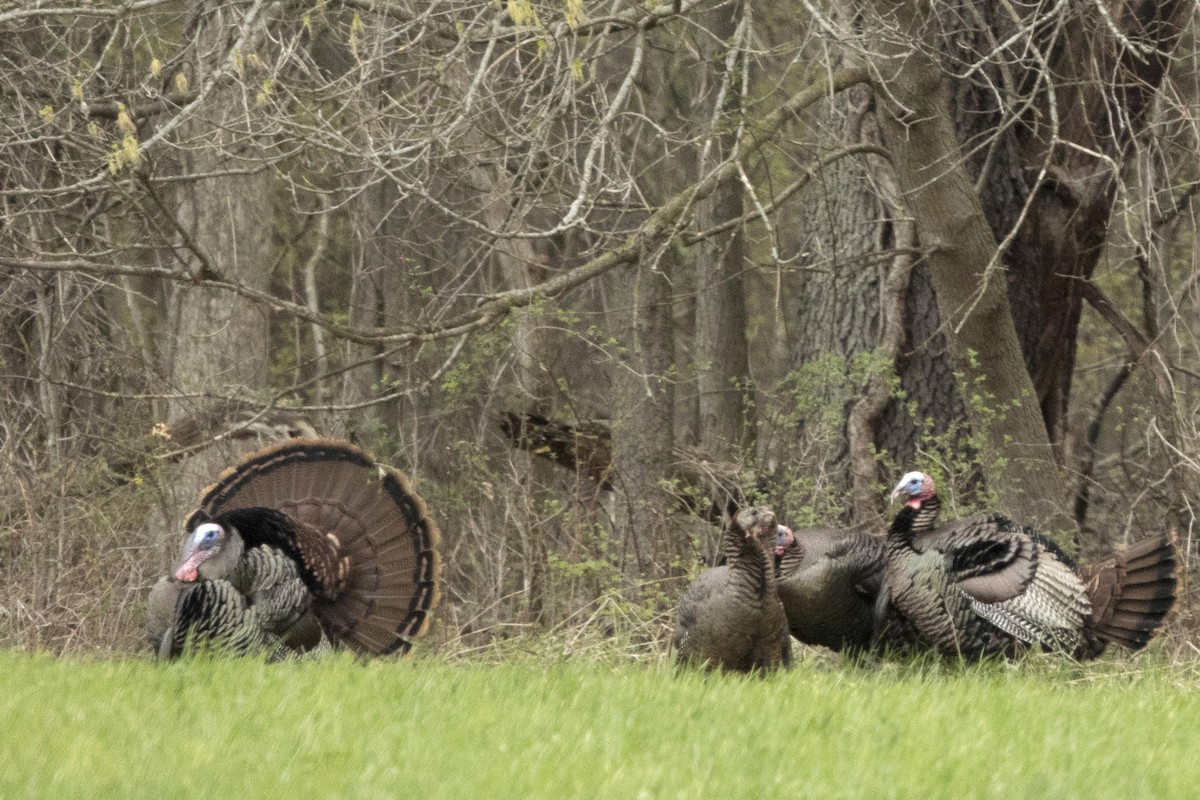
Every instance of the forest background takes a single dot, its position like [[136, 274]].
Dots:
[[590, 273]]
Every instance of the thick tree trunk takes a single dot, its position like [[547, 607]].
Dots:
[[842, 303], [1078, 89], [1043, 167], [841, 308], [972, 300]]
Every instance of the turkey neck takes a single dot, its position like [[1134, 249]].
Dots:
[[790, 561], [926, 516], [754, 568], [900, 534], [911, 522], [731, 542]]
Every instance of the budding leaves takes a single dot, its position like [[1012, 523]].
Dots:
[[575, 13], [522, 13]]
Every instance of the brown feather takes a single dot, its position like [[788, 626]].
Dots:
[[828, 581], [1005, 583], [365, 539], [991, 558], [730, 617], [1132, 593]]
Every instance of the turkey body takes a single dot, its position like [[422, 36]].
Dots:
[[828, 582], [985, 585], [203, 614], [730, 617], [300, 539]]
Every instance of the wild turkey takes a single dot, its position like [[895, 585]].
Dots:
[[985, 585], [307, 536], [828, 581], [730, 617]]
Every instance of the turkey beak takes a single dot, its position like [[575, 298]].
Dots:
[[897, 492], [189, 569]]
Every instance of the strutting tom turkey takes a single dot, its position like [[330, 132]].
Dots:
[[730, 617], [300, 538], [828, 581], [984, 584]]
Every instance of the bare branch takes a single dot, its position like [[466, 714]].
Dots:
[[660, 227]]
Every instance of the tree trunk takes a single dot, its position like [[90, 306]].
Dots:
[[643, 403], [833, 313], [220, 342], [1040, 162], [225, 223], [972, 301], [370, 251], [722, 360], [1079, 78]]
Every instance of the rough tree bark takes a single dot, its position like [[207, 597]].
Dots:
[[917, 128], [1106, 84], [1077, 86], [1043, 125]]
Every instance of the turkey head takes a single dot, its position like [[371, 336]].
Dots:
[[211, 551]]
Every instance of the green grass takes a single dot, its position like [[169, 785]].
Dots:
[[429, 729]]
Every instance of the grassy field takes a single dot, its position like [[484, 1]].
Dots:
[[424, 728]]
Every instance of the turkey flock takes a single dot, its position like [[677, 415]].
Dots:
[[313, 541], [976, 587]]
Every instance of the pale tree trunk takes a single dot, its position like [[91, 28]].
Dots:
[[375, 254], [646, 413], [515, 261], [225, 226], [643, 401], [722, 360], [220, 342]]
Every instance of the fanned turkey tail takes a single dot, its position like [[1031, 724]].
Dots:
[[362, 537], [1131, 594]]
